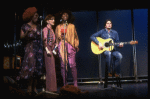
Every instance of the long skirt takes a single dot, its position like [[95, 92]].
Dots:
[[51, 83]]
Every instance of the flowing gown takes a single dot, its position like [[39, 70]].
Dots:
[[32, 65], [49, 42]]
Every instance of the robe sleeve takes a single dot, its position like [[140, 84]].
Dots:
[[45, 37]]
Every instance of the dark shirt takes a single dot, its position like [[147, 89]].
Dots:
[[105, 35]]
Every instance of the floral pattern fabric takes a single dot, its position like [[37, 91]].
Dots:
[[32, 64]]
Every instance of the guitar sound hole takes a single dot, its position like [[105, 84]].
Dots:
[[106, 44]]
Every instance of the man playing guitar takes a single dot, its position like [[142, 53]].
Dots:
[[116, 55]]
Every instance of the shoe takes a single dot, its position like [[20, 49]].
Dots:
[[29, 90], [35, 91], [116, 75], [109, 75]]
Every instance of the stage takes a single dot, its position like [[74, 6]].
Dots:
[[131, 24], [129, 88], [139, 90]]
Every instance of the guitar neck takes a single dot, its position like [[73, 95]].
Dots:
[[122, 42]]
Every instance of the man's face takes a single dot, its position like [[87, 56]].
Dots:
[[108, 25]]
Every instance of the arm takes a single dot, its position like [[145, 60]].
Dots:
[[117, 40], [76, 39], [93, 37], [45, 40], [23, 35], [26, 32], [45, 37], [56, 35]]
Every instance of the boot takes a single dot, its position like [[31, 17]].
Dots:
[[109, 74], [74, 75], [29, 88], [34, 86], [63, 72]]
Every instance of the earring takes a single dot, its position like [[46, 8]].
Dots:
[[60, 20]]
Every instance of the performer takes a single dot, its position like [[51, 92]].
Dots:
[[49, 44], [106, 33], [32, 64], [71, 45]]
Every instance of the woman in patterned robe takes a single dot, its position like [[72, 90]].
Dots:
[[32, 64]]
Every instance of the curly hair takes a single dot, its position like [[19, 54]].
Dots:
[[29, 13], [71, 17]]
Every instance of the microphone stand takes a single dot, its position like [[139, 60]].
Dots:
[[42, 39], [43, 89], [65, 50], [41, 32]]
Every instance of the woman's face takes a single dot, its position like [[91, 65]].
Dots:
[[65, 16], [35, 18], [51, 21]]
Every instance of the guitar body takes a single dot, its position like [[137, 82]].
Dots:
[[105, 42], [108, 45]]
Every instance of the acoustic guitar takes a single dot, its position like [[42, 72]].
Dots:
[[108, 45]]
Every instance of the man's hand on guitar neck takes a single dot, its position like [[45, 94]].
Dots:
[[100, 46], [121, 45]]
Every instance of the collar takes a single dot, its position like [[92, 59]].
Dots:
[[107, 30], [49, 27]]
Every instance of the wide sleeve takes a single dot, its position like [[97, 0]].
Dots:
[[57, 34], [45, 30], [76, 38], [23, 28], [28, 35]]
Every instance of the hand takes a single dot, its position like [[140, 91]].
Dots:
[[56, 45], [47, 51], [100, 45], [30, 29], [77, 49], [121, 45]]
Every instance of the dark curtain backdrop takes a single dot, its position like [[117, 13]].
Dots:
[[86, 25], [121, 21], [141, 34], [89, 22]]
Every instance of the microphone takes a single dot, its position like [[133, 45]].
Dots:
[[54, 50], [40, 17], [65, 21]]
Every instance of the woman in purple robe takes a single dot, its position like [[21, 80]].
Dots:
[[49, 44]]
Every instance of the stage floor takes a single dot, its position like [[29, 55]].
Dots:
[[128, 90]]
